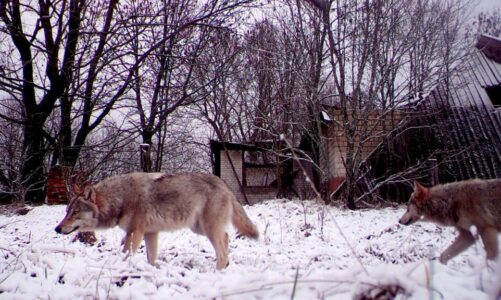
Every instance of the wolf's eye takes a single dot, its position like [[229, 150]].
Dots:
[[74, 213]]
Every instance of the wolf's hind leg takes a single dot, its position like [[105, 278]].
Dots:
[[464, 240], [151, 240], [490, 240], [219, 240]]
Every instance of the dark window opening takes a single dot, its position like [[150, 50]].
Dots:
[[494, 93], [260, 168]]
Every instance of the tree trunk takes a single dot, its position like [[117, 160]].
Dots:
[[32, 172], [145, 151]]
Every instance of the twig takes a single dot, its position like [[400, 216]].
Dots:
[[267, 286], [8, 223], [296, 277], [258, 289], [53, 249]]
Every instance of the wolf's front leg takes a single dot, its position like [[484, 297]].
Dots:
[[131, 242], [463, 241], [126, 242], [137, 237], [151, 240]]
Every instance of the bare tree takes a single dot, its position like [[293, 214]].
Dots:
[[97, 82], [164, 80], [69, 57], [218, 75], [284, 56], [266, 83], [381, 53], [10, 145], [38, 86], [77, 54], [284, 59]]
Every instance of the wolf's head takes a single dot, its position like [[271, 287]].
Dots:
[[82, 211], [415, 207]]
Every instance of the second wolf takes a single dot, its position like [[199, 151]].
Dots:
[[142, 204], [460, 204]]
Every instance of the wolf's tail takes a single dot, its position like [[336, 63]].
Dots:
[[242, 222]]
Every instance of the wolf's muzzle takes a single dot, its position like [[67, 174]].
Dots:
[[59, 229], [407, 222]]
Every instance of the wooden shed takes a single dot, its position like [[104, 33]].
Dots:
[[258, 171]]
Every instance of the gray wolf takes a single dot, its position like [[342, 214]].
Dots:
[[142, 204], [460, 204]]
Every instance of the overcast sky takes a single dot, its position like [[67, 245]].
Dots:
[[486, 4]]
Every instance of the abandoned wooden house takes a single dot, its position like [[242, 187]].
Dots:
[[336, 146], [454, 133]]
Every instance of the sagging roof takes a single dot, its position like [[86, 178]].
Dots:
[[256, 146], [478, 81]]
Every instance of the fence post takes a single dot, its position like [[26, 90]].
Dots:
[[433, 170], [145, 157]]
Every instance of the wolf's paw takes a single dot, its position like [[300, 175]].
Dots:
[[443, 259]]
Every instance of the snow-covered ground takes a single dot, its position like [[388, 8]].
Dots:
[[306, 251]]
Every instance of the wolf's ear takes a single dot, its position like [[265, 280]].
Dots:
[[420, 192], [77, 189], [77, 184], [90, 194]]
